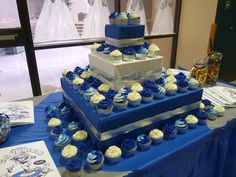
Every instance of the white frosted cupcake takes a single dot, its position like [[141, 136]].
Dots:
[[137, 87], [65, 71], [113, 154], [193, 84], [134, 99], [220, 111], [156, 136], [77, 82], [153, 50], [89, 93], [171, 89], [115, 56], [54, 122], [103, 88], [192, 121], [85, 75], [134, 18], [94, 48], [202, 106], [96, 98], [69, 152], [79, 136], [170, 72], [121, 19], [171, 79]]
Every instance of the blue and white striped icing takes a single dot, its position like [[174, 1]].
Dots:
[[119, 97]]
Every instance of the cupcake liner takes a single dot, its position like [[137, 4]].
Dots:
[[120, 106], [202, 121], [127, 154], [158, 95], [63, 160], [152, 54], [128, 57], [192, 126], [143, 147], [121, 21], [211, 117], [156, 141], [182, 89], [134, 103], [95, 167], [113, 160], [170, 136], [141, 56], [220, 114], [170, 92], [181, 130], [68, 173], [192, 87], [147, 99], [117, 59], [105, 112], [134, 21]]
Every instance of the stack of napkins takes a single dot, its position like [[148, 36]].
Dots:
[[221, 96], [20, 113]]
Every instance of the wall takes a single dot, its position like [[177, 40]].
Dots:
[[195, 24]]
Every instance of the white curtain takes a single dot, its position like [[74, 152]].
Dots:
[[55, 23], [138, 7], [163, 23], [97, 18]]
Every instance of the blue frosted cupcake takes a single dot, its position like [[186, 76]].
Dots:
[[51, 111], [84, 87], [56, 131], [207, 104], [147, 95], [202, 117], [156, 136], [182, 85], [112, 17], [129, 54], [212, 113], [192, 121], [121, 19], [73, 168], [96, 83], [113, 154], [89, 93], [70, 76], [67, 115], [110, 94], [90, 79], [128, 147], [73, 127], [142, 53], [78, 71], [62, 141], [161, 81], [148, 84], [100, 49], [105, 107], [120, 101], [158, 92], [125, 90], [180, 76], [134, 99], [181, 125], [95, 160], [144, 142], [169, 130], [85, 147]]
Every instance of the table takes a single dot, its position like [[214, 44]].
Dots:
[[202, 152]]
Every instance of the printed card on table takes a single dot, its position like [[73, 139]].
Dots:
[[20, 113], [28, 160]]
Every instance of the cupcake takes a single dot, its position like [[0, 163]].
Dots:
[[105, 107], [73, 168], [137, 87], [89, 93], [73, 127], [192, 121], [156, 136], [90, 79], [158, 92], [144, 142], [96, 83], [134, 18], [106, 52], [68, 153], [96, 98], [103, 88], [51, 111], [128, 147], [121, 19], [220, 111], [110, 94], [169, 130], [124, 90], [85, 147], [62, 141], [79, 136], [134, 99], [171, 79], [113, 154], [115, 56], [170, 72], [171, 89], [78, 71], [120, 101], [142, 53], [193, 84], [95, 160], [65, 71], [129, 54], [181, 126], [153, 50], [70, 76], [161, 81], [101, 49], [56, 131], [207, 104], [54, 122], [77, 82], [85, 74], [180, 76], [84, 87], [202, 117], [147, 95], [148, 84], [112, 17], [94, 48], [67, 115], [182, 86], [212, 113], [202, 106]]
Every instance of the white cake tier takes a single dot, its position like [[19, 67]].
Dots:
[[125, 73]]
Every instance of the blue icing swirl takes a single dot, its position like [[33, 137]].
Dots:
[[110, 94], [101, 48], [160, 81], [142, 50], [71, 75], [182, 83], [84, 86], [51, 111], [85, 146], [181, 123], [62, 139], [62, 105], [158, 89], [180, 76], [104, 104], [206, 102], [129, 51], [57, 130], [148, 84], [106, 50], [146, 92], [143, 139], [146, 45], [74, 125], [120, 98], [125, 90], [96, 83], [67, 113], [90, 79], [74, 165], [77, 68], [169, 128], [113, 15], [211, 111], [94, 157], [79, 72], [202, 115], [128, 144]]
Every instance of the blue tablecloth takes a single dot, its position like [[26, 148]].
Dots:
[[198, 153]]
